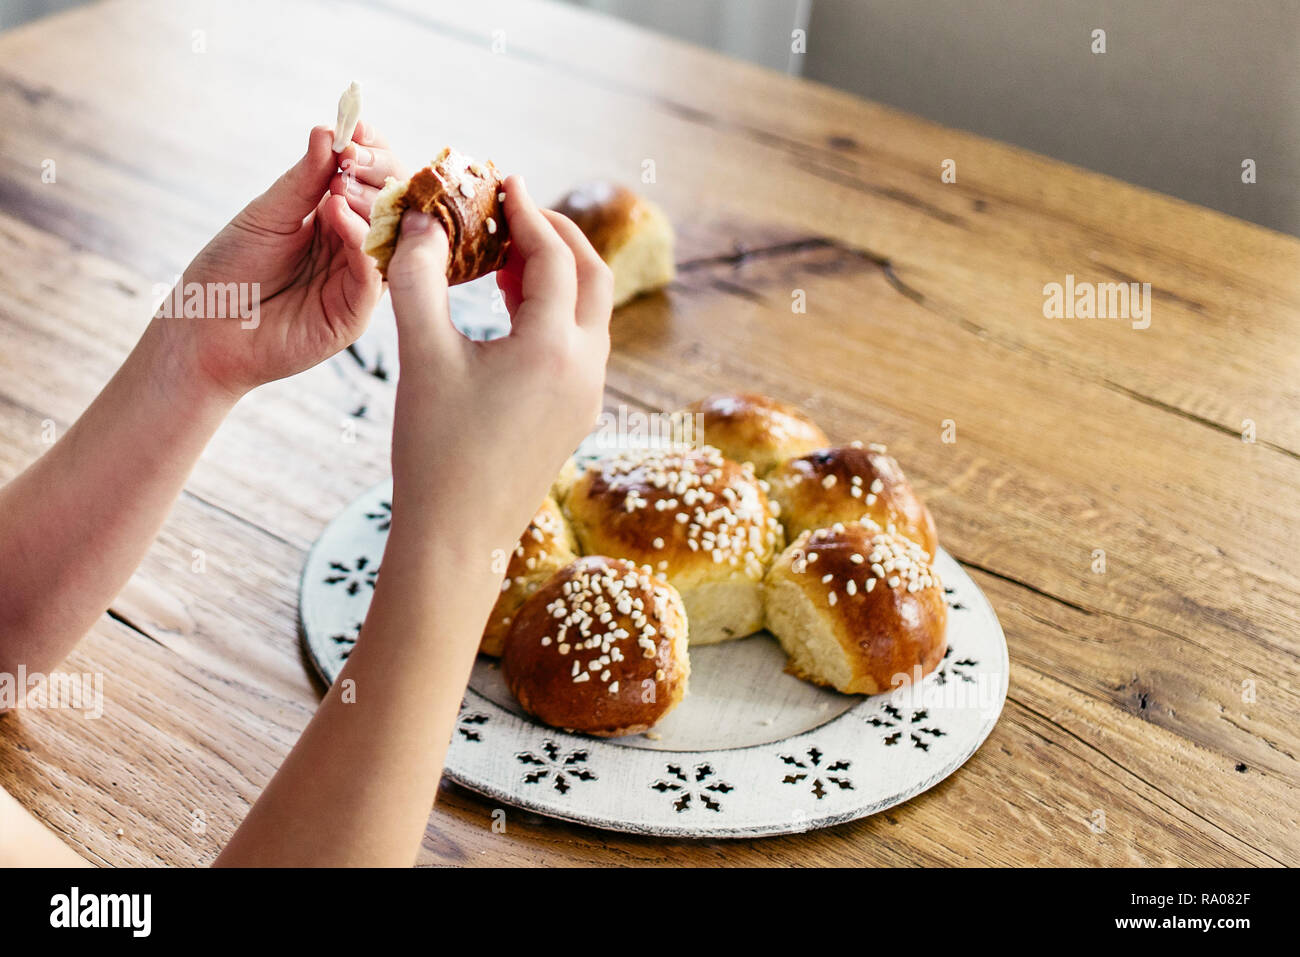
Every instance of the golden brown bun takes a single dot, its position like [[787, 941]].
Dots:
[[747, 427], [698, 519], [564, 481], [639, 653], [630, 233], [544, 548], [844, 483], [457, 192], [881, 612]]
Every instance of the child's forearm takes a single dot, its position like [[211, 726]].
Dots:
[[358, 786], [75, 524], [478, 437], [26, 842]]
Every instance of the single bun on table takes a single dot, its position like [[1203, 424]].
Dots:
[[601, 648], [699, 520], [630, 233], [461, 194], [747, 427], [845, 483], [544, 548], [854, 607]]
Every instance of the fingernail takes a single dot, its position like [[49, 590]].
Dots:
[[353, 187], [364, 156], [415, 222]]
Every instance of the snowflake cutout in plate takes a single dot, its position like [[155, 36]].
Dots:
[[817, 774], [347, 640], [693, 788], [382, 516], [560, 770], [354, 576], [469, 723], [950, 668], [890, 717]]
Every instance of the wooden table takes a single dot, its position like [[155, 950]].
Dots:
[[1152, 710]]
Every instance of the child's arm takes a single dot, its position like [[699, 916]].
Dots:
[[26, 842], [481, 429], [75, 524]]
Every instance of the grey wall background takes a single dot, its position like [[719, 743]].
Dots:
[[1186, 90], [14, 12]]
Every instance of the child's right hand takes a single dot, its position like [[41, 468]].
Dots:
[[482, 428]]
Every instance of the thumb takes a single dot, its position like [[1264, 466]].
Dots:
[[299, 189], [417, 279]]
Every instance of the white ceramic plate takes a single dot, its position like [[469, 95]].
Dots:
[[750, 751]]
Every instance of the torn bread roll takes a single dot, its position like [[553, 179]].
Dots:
[[349, 113], [464, 196]]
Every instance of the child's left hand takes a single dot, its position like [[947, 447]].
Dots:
[[300, 241]]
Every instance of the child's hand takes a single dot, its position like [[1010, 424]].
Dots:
[[482, 428], [300, 241]]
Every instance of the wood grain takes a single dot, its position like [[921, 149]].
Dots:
[[924, 304]]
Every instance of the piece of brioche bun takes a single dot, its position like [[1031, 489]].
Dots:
[[600, 648], [855, 607], [460, 194]]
